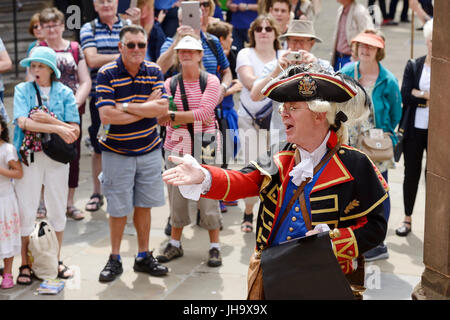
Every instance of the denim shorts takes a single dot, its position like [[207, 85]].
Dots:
[[132, 181]]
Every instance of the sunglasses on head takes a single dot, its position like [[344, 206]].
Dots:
[[132, 45], [260, 29], [204, 4]]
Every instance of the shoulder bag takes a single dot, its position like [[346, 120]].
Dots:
[[378, 149], [54, 146]]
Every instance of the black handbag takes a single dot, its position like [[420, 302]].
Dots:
[[53, 145], [262, 117], [400, 134]]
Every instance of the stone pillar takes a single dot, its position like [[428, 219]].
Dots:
[[435, 282]]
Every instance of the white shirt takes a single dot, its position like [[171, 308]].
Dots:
[[422, 114]]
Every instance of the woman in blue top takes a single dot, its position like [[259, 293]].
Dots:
[[58, 114], [386, 111]]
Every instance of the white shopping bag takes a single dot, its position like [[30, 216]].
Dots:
[[43, 250]]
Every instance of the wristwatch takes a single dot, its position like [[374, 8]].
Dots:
[[125, 107], [422, 93], [172, 116]]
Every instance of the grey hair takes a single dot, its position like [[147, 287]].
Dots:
[[132, 28], [428, 30]]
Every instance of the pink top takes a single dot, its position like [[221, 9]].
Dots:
[[342, 45], [202, 105]]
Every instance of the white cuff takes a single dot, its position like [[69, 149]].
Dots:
[[193, 191]]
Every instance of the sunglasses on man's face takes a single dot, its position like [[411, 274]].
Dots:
[[132, 45], [260, 29]]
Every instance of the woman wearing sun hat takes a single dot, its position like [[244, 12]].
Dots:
[[58, 114], [382, 86], [181, 125]]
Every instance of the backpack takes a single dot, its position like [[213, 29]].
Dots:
[[73, 49]]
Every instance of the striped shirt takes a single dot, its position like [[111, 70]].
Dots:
[[202, 105], [105, 40], [210, 62], [114, 84]]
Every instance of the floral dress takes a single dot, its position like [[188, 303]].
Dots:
[[10, 241]]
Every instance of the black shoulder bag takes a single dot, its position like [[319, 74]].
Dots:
[[53, 145]]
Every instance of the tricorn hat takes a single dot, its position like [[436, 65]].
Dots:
[[300, 28], [309, 82], [339, 95]]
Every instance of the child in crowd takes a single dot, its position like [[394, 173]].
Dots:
[[10, 168]]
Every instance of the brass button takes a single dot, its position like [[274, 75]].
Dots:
[[294, 146], [341, 151], [350, 252], [270, 223], [297, 209], [288, 238], [294, 219], [291, 229]]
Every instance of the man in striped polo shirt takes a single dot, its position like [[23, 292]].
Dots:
[[130, 98], [99, 40]]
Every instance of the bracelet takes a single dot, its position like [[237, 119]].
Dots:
[[224, 86], [246, 6], [25, 124]]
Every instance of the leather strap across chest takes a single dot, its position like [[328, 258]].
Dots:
[[299, 194]]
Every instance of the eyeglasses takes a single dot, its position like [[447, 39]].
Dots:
[[288, 109], [132, 45], [205, 4], [260, 29], [51, 26]]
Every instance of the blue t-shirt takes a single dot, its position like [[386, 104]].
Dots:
[[164, 4], [243, 19], [115, 84]]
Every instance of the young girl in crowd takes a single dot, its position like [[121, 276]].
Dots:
[[10, 168]]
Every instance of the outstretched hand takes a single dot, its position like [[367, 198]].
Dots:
[[184, 173]]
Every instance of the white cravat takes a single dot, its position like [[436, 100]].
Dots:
[[305, 169]]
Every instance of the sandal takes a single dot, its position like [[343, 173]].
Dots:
[[7, 282], [247, 223], [404, 229], [62, 273], [74, 213], [24, 275], [41, 211], [96, 201]]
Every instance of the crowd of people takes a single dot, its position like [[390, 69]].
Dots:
[[156, 87]]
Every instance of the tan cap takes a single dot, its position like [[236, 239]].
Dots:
[[300, 28]]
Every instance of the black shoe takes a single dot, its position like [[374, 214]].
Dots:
[[405, 20], [112, 269], [214, 260], [168, 228], [149, 265], [404, 229]]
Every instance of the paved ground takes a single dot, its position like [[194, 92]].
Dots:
[[86, 244]]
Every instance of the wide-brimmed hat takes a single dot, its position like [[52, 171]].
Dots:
[[189, 43], [370, 39], [300, 28], [43, 55]]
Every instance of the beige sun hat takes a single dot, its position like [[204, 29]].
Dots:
[[300, 28], [189, 43]]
